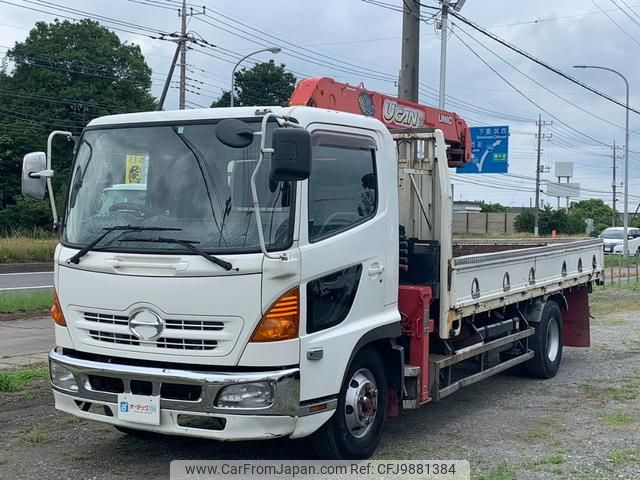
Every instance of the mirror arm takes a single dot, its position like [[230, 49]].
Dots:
[[52, 200], [254, 190]]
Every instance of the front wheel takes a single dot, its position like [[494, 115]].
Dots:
[[354, 430], [546, 343]]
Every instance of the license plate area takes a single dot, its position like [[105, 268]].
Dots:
[[139, 408]]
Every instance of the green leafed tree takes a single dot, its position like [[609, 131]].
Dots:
[[59, 78], [492, 208], [593, 208], [264, 84]]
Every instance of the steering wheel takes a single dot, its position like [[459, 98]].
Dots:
[[131, 207]]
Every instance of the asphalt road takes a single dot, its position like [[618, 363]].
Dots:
[[27, 336], [26, 281]]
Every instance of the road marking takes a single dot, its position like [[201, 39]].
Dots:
[[24, 273], [25, 288]]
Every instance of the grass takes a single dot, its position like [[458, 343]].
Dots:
[[625, 392], [37, 246], [619, 260], [502, 472], [615, 298], [623, 456], [617, 419], [17, 380], [13, 302], [36, 434], [540, 432]]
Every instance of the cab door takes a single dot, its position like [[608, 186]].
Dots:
[[345, 232]]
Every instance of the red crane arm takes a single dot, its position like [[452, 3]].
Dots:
[[393, 112]]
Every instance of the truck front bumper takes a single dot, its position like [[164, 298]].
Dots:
[[187, 399]]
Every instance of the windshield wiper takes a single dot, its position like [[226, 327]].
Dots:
[[127, 228], [189, 245]]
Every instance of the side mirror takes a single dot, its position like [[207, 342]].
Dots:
[[34, 175], [234, 133], [291, 158]]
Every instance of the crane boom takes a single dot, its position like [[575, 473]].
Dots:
[[395, 113]]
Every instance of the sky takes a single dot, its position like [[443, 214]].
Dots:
[[355, 41]]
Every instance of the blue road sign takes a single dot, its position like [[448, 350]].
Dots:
[[490, 150]]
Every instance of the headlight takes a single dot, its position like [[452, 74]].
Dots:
[[246, 395], [62, 377]]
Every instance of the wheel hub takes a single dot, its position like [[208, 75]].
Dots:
[[361, 403], [553, 339]]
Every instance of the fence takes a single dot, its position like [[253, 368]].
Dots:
[[482, 223], [619, 271]]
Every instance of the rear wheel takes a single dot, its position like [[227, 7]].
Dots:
[[355, 429], [546, 343]]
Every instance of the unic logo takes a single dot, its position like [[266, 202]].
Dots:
[[444, 118], [401, 115]]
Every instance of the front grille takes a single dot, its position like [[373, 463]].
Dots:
[[111, 337], [186, 343], [181, 333], [105, 318], [203, 325], [175, 343]]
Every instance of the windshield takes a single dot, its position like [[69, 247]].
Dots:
[[174, 176], [614, 234]]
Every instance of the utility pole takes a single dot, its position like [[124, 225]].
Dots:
[[444, 31], [167, 82], [443, 52], [183, 53], [613, 185], [410, 63], [540, 136]]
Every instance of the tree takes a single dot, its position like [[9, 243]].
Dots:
[[593, 208], [64, 74], [492, 208], [549, 220], [524, 222], [264, 84]]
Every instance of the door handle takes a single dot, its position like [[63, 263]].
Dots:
[[376, 270]]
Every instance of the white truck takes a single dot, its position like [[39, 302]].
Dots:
[[286, 273]]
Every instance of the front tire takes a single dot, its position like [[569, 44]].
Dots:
[[546, 343], [354, 430]]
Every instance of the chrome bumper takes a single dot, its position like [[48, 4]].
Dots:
[[154, 380]]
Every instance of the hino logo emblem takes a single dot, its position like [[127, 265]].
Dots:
[[146, 325]]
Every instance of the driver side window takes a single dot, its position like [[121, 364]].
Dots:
[[343, 186]]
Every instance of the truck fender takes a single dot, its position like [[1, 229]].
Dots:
[[560, 299], [383, 339], [533, 312]]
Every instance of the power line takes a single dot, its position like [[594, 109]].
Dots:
[[634, 20], [520, 92], [538, 61], [542, 85], [631, 37]]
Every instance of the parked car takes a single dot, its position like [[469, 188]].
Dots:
[[614, 237]]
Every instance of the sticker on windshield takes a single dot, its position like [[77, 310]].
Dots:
[[136, 168], [180, 130]]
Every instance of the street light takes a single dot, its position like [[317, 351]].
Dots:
[[625, 244], [273, 50]]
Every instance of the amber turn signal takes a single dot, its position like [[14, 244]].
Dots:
[[281, 320], [56, 311]]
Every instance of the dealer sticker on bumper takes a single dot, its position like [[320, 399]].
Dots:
[[139, 408]]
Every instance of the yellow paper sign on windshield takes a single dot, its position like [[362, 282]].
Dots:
[[134, 168]]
